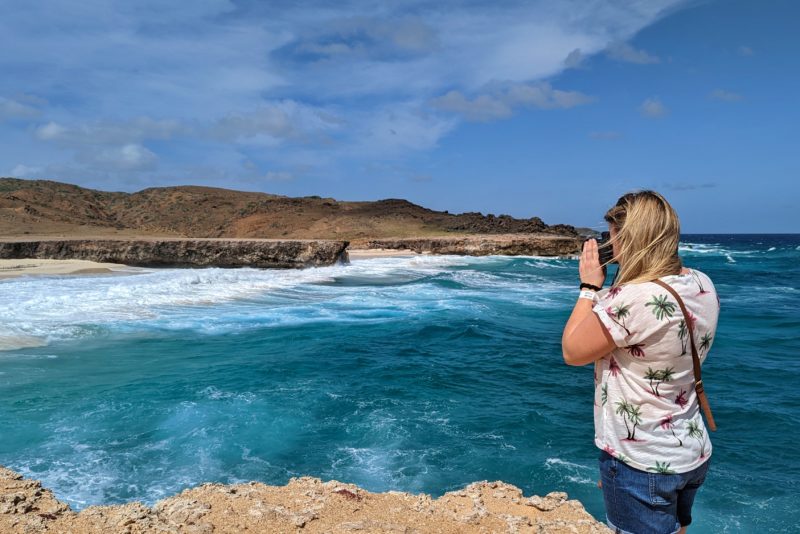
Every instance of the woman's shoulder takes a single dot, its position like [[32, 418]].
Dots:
[[692, 279], [688, 282], [628, 290], [697, 290], [687, 277]]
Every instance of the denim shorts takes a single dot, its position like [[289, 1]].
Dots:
[[638, 502]]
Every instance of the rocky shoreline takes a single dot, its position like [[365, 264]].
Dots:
[[273, 253], [168, 252], [480, 245], [305, 504]]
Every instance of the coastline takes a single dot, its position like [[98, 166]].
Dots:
[[187, 252], [19, 255], [14, 268], [303, 503]]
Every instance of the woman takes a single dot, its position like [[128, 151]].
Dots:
[[655, 447]]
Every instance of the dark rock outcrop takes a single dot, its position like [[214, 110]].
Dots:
[[265, 253]]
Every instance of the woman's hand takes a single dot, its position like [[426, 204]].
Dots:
[[590, 270]]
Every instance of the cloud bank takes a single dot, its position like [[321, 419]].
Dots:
[[149, 92]]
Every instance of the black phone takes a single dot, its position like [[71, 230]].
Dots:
[[604, 248]]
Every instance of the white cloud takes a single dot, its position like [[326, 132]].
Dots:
[[746, 51], [502, 99], [370, 37], [278, 176], [50, 131], [481, 108], [689, 186], [542, 95], [726, 96], [607, 135], [622, 51], [15, 109], [653, 108], [125, 158], [273, 122], [398, 128], [110, 132], [217, 80], [574, 59], [24, 171]]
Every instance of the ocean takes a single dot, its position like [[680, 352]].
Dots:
[[418, 374]]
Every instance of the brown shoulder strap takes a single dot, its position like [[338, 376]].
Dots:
[[698, 379]]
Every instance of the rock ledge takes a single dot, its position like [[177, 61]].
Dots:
[[272, 253], [480, 244], [305, 504]]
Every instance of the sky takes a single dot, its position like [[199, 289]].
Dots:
[[532, 108]]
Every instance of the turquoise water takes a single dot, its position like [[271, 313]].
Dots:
[[418, 374]]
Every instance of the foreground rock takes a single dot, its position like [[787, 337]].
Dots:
[[480, 245], [303, 505], [184, 252]]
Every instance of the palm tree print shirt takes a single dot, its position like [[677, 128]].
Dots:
[[646, 411]]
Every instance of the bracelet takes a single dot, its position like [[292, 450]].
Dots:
[[586, 294], [593, 287]]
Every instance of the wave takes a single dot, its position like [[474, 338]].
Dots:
[[213, 393], [542, 262], [733, 255], [570, 471], [703, 248], [39, 311]]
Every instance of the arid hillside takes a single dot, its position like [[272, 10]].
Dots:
[[42, 208]]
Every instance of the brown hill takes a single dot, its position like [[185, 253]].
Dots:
[[46, 208]]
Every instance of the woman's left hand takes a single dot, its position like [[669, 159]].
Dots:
[[590, 270]]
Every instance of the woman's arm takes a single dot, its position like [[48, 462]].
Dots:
[[585, 339]]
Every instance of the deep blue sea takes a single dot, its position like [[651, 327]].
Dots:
[[419, 374]]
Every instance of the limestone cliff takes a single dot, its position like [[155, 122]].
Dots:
[[184, 252], [303, 505], [481, 245]]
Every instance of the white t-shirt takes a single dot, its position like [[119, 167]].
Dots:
[[646, 411]]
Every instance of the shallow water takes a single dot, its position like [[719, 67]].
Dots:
[[415, 374]]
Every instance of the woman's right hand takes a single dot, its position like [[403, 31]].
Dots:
[[591, 272]]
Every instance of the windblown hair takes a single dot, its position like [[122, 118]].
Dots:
[[647, 235]]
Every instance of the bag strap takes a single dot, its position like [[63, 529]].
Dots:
[[698, 379]]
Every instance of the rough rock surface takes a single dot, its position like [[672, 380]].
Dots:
[[303, 505], [184, 252], [481, 245]]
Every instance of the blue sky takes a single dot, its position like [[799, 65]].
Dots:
[[543, 108]]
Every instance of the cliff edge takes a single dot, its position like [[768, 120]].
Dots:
[[303, 505], [171, 252]]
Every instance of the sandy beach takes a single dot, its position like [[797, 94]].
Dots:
[[38, 267], [20, 267], [366, 253]]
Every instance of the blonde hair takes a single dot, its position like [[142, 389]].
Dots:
[[647, 235]]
